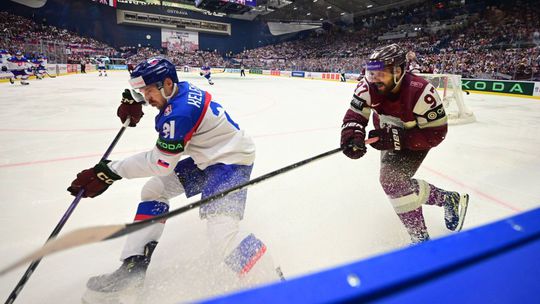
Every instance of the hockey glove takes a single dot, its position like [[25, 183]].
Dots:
[[390, 138], [130, 107], [352, 139], [4, 69], [94, 181]]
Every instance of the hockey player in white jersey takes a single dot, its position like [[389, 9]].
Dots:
[[190, 122], [4, 56], [19, 65], [4, 69], [206, 72], [39, 66], [101, 67]]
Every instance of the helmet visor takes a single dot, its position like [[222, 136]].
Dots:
[[376, 72]]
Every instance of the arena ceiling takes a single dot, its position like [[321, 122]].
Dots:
[[330, 10], [300, 10]]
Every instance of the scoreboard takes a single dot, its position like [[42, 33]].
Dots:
[[226, 6], [106, 2], [251, 3]]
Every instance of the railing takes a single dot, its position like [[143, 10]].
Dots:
[[55, 51]]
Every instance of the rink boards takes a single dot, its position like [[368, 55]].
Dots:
[[495, 263]]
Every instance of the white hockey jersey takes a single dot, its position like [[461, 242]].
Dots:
[[190, 124]]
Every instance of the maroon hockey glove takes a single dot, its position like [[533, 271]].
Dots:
[[390, 138], [352, 139], [94, 181], [130, 108]]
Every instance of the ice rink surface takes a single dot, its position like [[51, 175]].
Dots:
[[322, 215]]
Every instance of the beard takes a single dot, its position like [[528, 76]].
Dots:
[[382, 88]]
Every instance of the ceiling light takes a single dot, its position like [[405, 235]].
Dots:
[[308, 14], [342, 14], [371, 5], [295, 8], [329, 7], [321, 19]]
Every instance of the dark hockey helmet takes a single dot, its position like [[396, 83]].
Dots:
[[386, 56], [153, 70]]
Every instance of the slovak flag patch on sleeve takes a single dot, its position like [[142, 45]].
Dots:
[[162, 163]]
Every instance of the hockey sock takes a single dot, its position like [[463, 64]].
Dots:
[[415, 224], [243, 253], [437, 196], [136, 241]]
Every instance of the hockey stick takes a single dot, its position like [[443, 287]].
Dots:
[[63, 220], [102, 233], [52, 76]]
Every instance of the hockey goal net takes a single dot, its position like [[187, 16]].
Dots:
[[449, 87]]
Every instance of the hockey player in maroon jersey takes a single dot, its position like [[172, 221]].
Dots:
[[409, 120]]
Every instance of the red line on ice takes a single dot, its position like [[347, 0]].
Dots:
[[455, 181], [46, 161], [478, 192], [57, 130]]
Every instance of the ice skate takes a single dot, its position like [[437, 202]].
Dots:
[[123, 285], [455, 209]]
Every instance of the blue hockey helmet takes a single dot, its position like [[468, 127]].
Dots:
[[153, 70]]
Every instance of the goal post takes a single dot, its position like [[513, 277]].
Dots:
[[449, 88]]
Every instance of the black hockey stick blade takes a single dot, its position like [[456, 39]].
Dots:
[[96, 234]]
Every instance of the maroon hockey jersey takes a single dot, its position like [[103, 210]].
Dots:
[[417, 108]]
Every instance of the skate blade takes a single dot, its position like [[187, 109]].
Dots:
[[463, 204], [127, 296]]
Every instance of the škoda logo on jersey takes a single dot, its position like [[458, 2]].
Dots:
[[170, 147]]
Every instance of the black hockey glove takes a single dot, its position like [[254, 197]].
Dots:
[[390, 138], [352, 140], [94, 181], [131, 107], [353, 135]]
